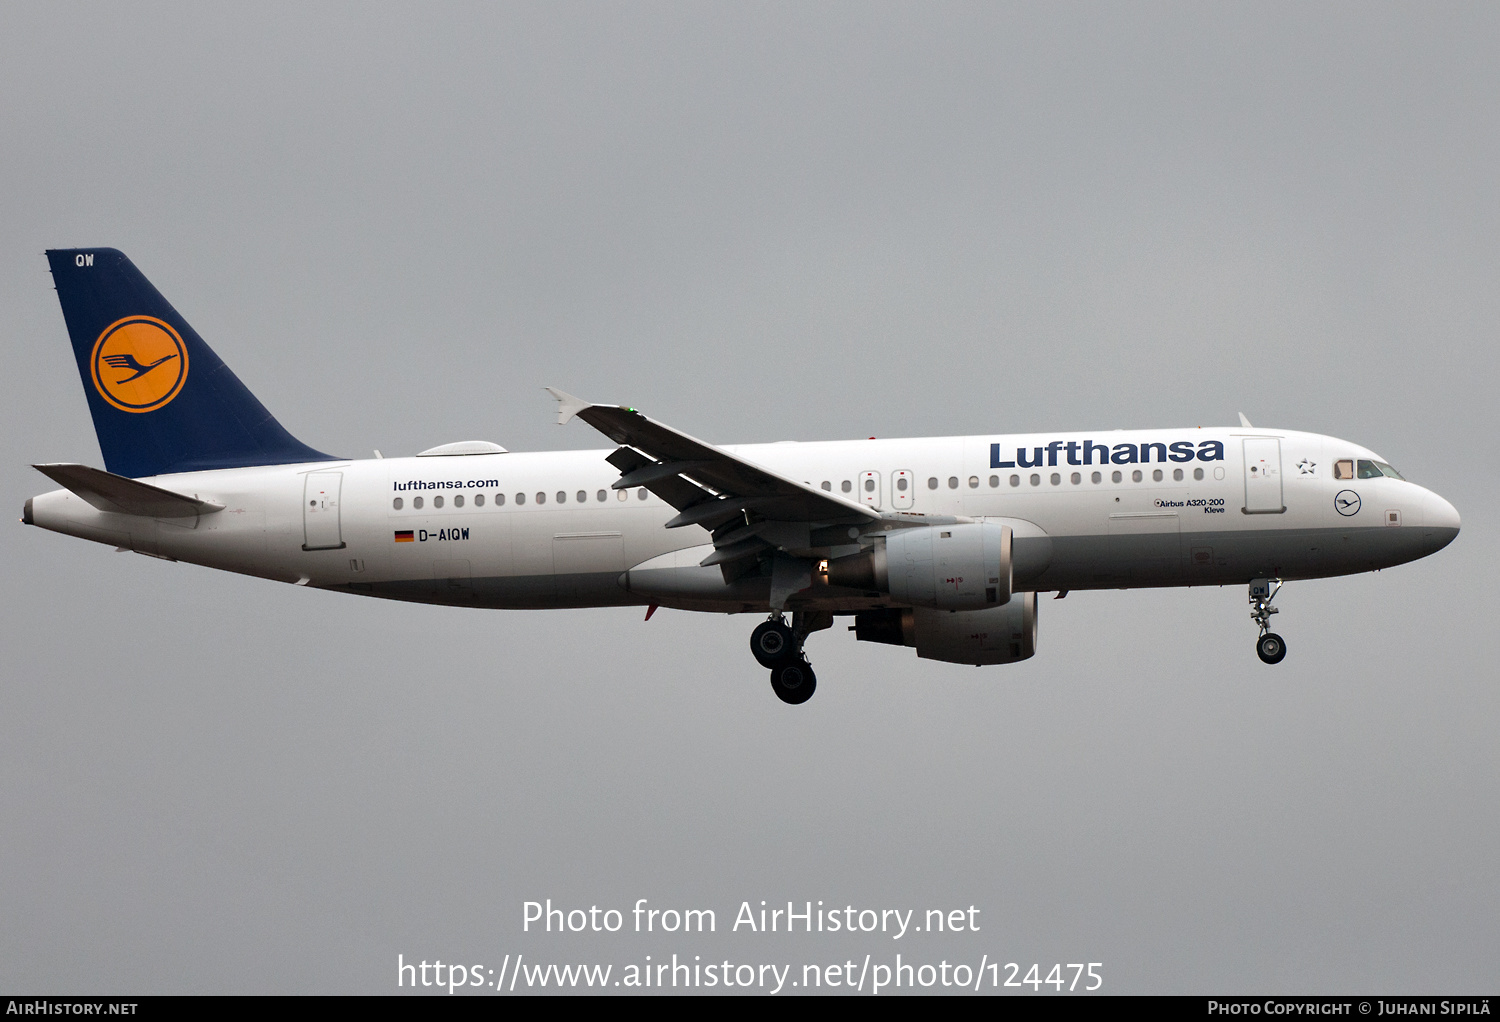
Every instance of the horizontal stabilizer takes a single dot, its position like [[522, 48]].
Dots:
[[124, 496]]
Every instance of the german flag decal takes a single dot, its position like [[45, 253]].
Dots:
[[405, 537]]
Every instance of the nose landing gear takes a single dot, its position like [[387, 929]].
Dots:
[[1270, 647], [777, 646]]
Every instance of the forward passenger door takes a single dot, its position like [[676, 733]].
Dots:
[[1263, 476]]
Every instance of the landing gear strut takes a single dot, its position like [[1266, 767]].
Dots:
[[777, 646], [1270, 647]]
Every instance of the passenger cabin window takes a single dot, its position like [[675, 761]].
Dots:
[[479, 500], [499, 500], [437, 501], [827, 485], [601, 496], [458, 501], [416, 502], [846, 486], [396, 503], [932, 482]]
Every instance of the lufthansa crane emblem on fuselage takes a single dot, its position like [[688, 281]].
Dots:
[[1346, 502]]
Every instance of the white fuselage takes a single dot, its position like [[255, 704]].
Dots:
[[546, 529]]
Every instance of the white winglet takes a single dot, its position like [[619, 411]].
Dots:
[[567, 405], [1245, 422]]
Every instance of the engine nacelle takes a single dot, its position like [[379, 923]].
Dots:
[[948, 567], [995, 635]]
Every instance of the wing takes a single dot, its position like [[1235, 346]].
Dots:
[[750, 509]]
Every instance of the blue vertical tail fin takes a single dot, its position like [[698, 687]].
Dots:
[[162, 401]]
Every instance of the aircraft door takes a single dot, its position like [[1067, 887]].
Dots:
[[1263, 476], [903, 488], [869, 488], [320, 511]]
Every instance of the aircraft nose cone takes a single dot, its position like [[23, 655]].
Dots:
[[1440, 523]]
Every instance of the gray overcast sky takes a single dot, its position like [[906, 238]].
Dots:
[[759, 222]]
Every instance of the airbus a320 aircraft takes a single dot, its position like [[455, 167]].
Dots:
[[942, 544]]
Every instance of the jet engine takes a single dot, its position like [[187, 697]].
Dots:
[[995, 635], [948, 567]]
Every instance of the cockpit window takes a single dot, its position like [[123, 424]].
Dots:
[[1344, 469], [1376, 469]]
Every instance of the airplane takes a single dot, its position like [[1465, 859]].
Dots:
[[941, 544]]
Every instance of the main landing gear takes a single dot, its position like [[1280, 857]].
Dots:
[[794, 681], [779, 647], [771, 642], [1270, 647]]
